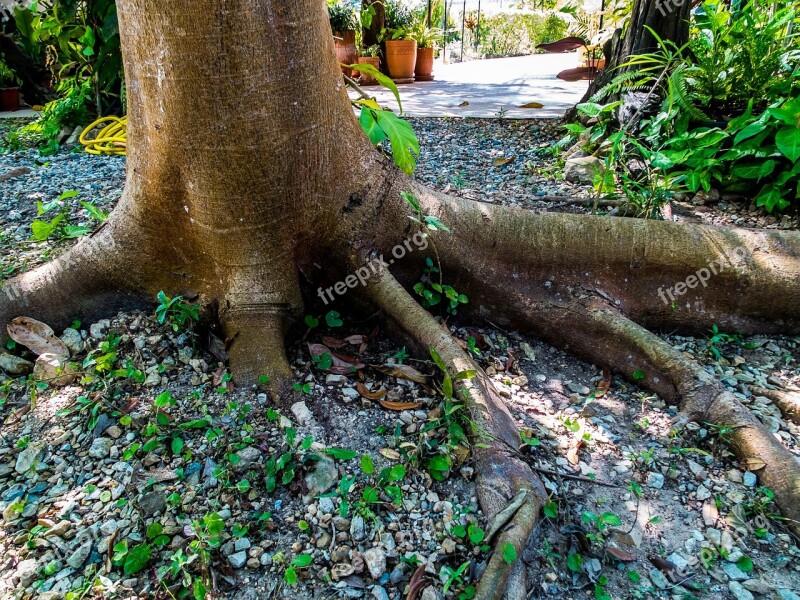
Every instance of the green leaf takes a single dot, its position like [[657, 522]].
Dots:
[[788, 141], [136, 559], [476, 534], [638, 375], [574, 562], [610, 518], [341, 453], [367, 466], [333, 320], [290, 576], [551, 509], [745, 564], [405, 146], [154, 530], [386, 82], [311, 322], [302, 560], [397, 472], [369, 124], [177, 445], [509, 553]]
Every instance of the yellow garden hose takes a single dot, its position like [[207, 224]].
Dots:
[[110, 139]]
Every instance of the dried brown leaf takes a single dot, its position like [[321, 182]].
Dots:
[[399, 406], [376, 395], [38, 337], [502, 161], [620, 554], [532, 105], [403, 372]]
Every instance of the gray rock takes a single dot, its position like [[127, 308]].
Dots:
[[14, 365], [749, 479], [583, 170], [73, 340], [101, 447], [431, 593], [98, 330], [79, 556], [29, 456], [302, 414], [658, 579], [738, 591], [241, 544], [152, 503], [788, 595], [26, 571], [655, 480], [238, 560], [379, 593], [358, 530], [326, 506], [734, 572], [324, 475], [376, 562], [248, 456]]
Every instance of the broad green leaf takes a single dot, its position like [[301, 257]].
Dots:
[[136, 559], [509, 553], [788, 142], [370, 126], [341, 453], [405, 146]]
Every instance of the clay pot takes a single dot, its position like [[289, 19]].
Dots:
[[9, 99], [401, 58], [424, 66], [375, 61], [346, 52]]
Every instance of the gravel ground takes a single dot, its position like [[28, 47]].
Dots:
[[151, 433]]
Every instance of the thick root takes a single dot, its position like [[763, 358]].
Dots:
[[503, 478], [787, 401], [254, 337], [83, 283], [609, 339]]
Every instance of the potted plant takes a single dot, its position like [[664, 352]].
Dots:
[[344, 23], [9, 89], [369, 56], [401, 49], [426, 38]]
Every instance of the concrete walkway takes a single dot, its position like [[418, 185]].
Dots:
[[489, 86]]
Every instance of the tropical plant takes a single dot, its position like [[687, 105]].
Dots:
[[397, 21], [7, 77], [426, 37], [343, 16]]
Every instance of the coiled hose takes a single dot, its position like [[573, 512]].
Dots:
[[110, 138]]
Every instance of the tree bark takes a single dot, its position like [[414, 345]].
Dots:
[[250, 184], [668, 19]]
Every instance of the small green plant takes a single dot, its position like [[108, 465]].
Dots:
[[176, 311], [301, 561], [189, 568], [600, 523], [58, 227], [717, 337], [433, 292]]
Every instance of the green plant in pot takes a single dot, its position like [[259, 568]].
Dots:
[[369, 56], [344, 20], [9, 88], [401, 48], [426, 38]]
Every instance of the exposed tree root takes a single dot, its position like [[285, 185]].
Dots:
[[502, 476], [787, 401], [610, 339]]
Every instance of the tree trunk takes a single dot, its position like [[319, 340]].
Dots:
[[669, 20], [251, 187], [371, 33]]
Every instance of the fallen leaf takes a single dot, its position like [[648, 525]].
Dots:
[[403, 372], [752, 463], [390, 453], [464, 103], [341, 364], [332, 342], [572, 452], [54, 370], [38, 337], [502, 161], [563, 45], [620, 554], [603, 385], [664, 565], [529, 353], [577, 73], [362, 389], [399, 406], [532, 105]]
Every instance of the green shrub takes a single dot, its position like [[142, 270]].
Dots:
[[516, 34]]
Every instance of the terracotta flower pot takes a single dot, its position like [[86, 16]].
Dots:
[[9, 99], [401, 58], [346, 52], [424, 66], [375, 61]]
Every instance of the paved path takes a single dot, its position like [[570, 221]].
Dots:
[[492, 84]]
